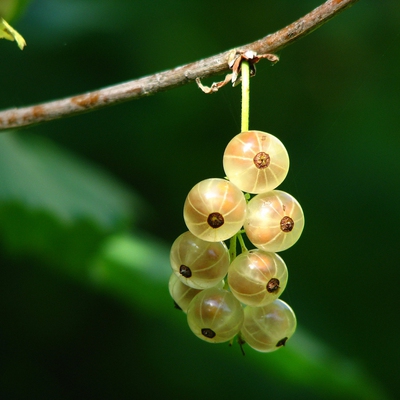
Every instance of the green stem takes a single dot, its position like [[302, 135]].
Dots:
[[241, 241], [232, 248], [245, 95]]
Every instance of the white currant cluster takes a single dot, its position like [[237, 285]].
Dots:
[[225, 295]]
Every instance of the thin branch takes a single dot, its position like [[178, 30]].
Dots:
[[149, 85]]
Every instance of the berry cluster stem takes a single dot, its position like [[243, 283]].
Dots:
[[245, 95], [241, 241], [233, 243], [232, 248]]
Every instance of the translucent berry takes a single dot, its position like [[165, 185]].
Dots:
[[268, 328], [183, 294], [274, 221], [197, 263], [215, 315], [255, 161], [257, 278], [214, 210]]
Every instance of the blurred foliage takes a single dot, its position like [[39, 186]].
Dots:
[[84, 253], [10, 9]]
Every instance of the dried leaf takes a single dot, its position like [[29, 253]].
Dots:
[[215, 86], [235, 59]]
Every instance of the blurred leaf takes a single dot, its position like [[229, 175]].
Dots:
[[9, 9], [37, 173], [55, 206]]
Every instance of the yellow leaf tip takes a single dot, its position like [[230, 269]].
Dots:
[[9, 33]]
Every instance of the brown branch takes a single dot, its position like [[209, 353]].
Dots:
[[146, 86]]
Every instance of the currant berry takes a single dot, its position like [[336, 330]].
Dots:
[[255, 161], [183, 294], [214, 210], [197, 263], [268, 328], [274, 221], [215, 315], [257, 278]]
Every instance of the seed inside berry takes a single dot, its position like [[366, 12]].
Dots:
[[287, 224], [185, 271], [209, 333], [215, 220], [261, 160], [273, 285]]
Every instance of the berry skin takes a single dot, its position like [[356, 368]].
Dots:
[[214, 210], [215, 315], [268, 328], [255, 161], [197, 263], [274, 221], [183, 294], [257, 278]]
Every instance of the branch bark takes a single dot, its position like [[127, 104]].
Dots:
[[152, 84]]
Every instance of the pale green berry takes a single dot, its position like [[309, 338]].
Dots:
[[197, 263], [214, 210], [268, 328], [255, 161], [257, 278], [215, 315], [274, 221]]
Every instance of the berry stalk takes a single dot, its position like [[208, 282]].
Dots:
[[245, 95]]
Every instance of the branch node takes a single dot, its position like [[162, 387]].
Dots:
[[215, 86]]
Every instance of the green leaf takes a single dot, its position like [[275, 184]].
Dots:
[[38, 174], [55, 206], [9, 9]]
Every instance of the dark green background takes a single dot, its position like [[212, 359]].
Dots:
[[333, 100]]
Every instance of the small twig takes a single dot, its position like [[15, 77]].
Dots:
[[149, 85]]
